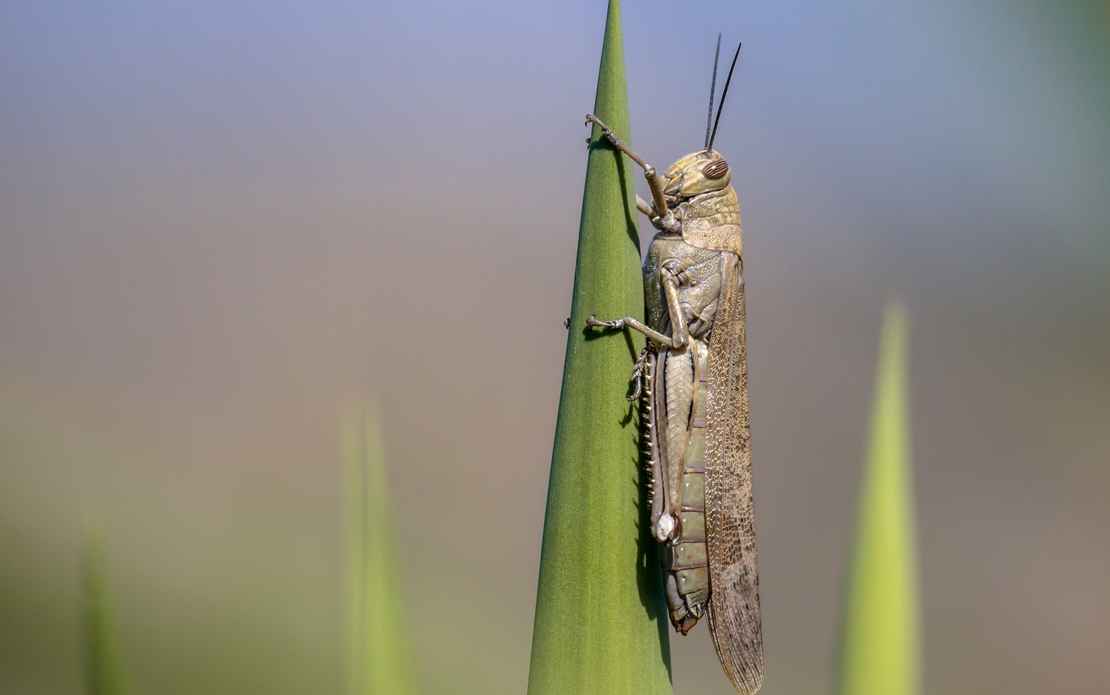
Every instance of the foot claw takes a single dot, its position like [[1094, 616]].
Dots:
[[637, 376]]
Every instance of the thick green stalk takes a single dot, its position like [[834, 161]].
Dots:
[[379, 661], [104, 671], [600, 623], [880, 643]]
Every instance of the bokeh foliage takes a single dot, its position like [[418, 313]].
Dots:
[[105, 673], [379, 659], [880, 639]]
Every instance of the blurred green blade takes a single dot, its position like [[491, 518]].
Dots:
[[600, 624], [379, 659], [880, 643], [104, 669]]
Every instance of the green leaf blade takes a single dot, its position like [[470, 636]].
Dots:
[[880, 640], [600, 625], [105, 673], [380, 662]]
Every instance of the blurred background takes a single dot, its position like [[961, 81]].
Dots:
[[220, 224]]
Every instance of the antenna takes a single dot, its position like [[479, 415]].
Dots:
[[712, 87], [724, 93]]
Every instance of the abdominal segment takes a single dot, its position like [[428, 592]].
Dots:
[[678, 453]]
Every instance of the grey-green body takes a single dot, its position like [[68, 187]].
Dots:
[[676, 416]]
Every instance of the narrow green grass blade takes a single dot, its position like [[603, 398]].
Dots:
[[880, 643], [379, 658], [104, 671], [600, 623]]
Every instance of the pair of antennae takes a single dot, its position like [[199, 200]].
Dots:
[[711, 125]]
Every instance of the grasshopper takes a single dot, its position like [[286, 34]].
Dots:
[[693, 385]]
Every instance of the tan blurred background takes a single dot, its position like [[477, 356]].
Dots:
[[221, 225]]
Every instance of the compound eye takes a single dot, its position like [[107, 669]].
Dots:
[[715, 169]]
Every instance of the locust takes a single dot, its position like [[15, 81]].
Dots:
[[692, 383]]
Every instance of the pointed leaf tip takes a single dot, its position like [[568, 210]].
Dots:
[[380, 661], [104, 670], [600, 621], [880, 638]]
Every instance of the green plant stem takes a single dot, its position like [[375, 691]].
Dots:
[[600, 624], [880, 642]]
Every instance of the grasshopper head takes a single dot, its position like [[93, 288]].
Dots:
[[695, 174]]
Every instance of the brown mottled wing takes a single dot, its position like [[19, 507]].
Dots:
[[730, 525]]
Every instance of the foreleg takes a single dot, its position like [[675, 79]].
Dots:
[[655, 182]]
